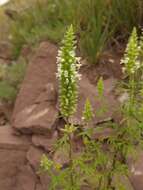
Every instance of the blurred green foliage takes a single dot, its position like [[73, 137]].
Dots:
[[96, 23], [10, 80]]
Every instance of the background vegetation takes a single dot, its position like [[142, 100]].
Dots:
[[99, 25], [10, 80]]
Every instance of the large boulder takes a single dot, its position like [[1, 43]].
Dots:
[[35, 108]]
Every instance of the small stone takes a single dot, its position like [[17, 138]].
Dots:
[[35, 108]]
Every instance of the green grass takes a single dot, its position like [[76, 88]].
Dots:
[[49, 20], [4, 25], [101, 162], [10, 80], [37, 23], [95, 28], [96, 22], [127, 14]]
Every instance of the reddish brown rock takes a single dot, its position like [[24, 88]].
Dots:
[[39, 187], [35, 108], [110, 64], [12, 157], [46, 142], [108, 103], [26, 51], [38, 118], [34, 156], [5, 61], [45, 181], [10, 141], [5, 51], [26, 178], [136, 169], [48, 94], [6, 110], [102, 133]]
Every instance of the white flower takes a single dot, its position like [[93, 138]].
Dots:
[[68, 66]]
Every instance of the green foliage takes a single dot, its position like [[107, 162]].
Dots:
[[126, 15], [133, 69], [2, 70], [46, 163], [76, 174], [131, 54], [103, 108], [96, 23], [101, 162], [100, 87], [10, 80], [68, 65], [87, 112], [69, 129], [132, 108], [47, 20], [4, 25], [36, 23], [7, 92], [69, 178]]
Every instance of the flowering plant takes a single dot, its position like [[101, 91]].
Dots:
[[68, 66], [131, 57]]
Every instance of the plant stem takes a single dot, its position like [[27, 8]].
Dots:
[[70, 158], [132, 93], [110, 176]]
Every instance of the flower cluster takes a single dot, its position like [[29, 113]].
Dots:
[[46, 164], [68, 67], [69, 129], [131, 58]]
